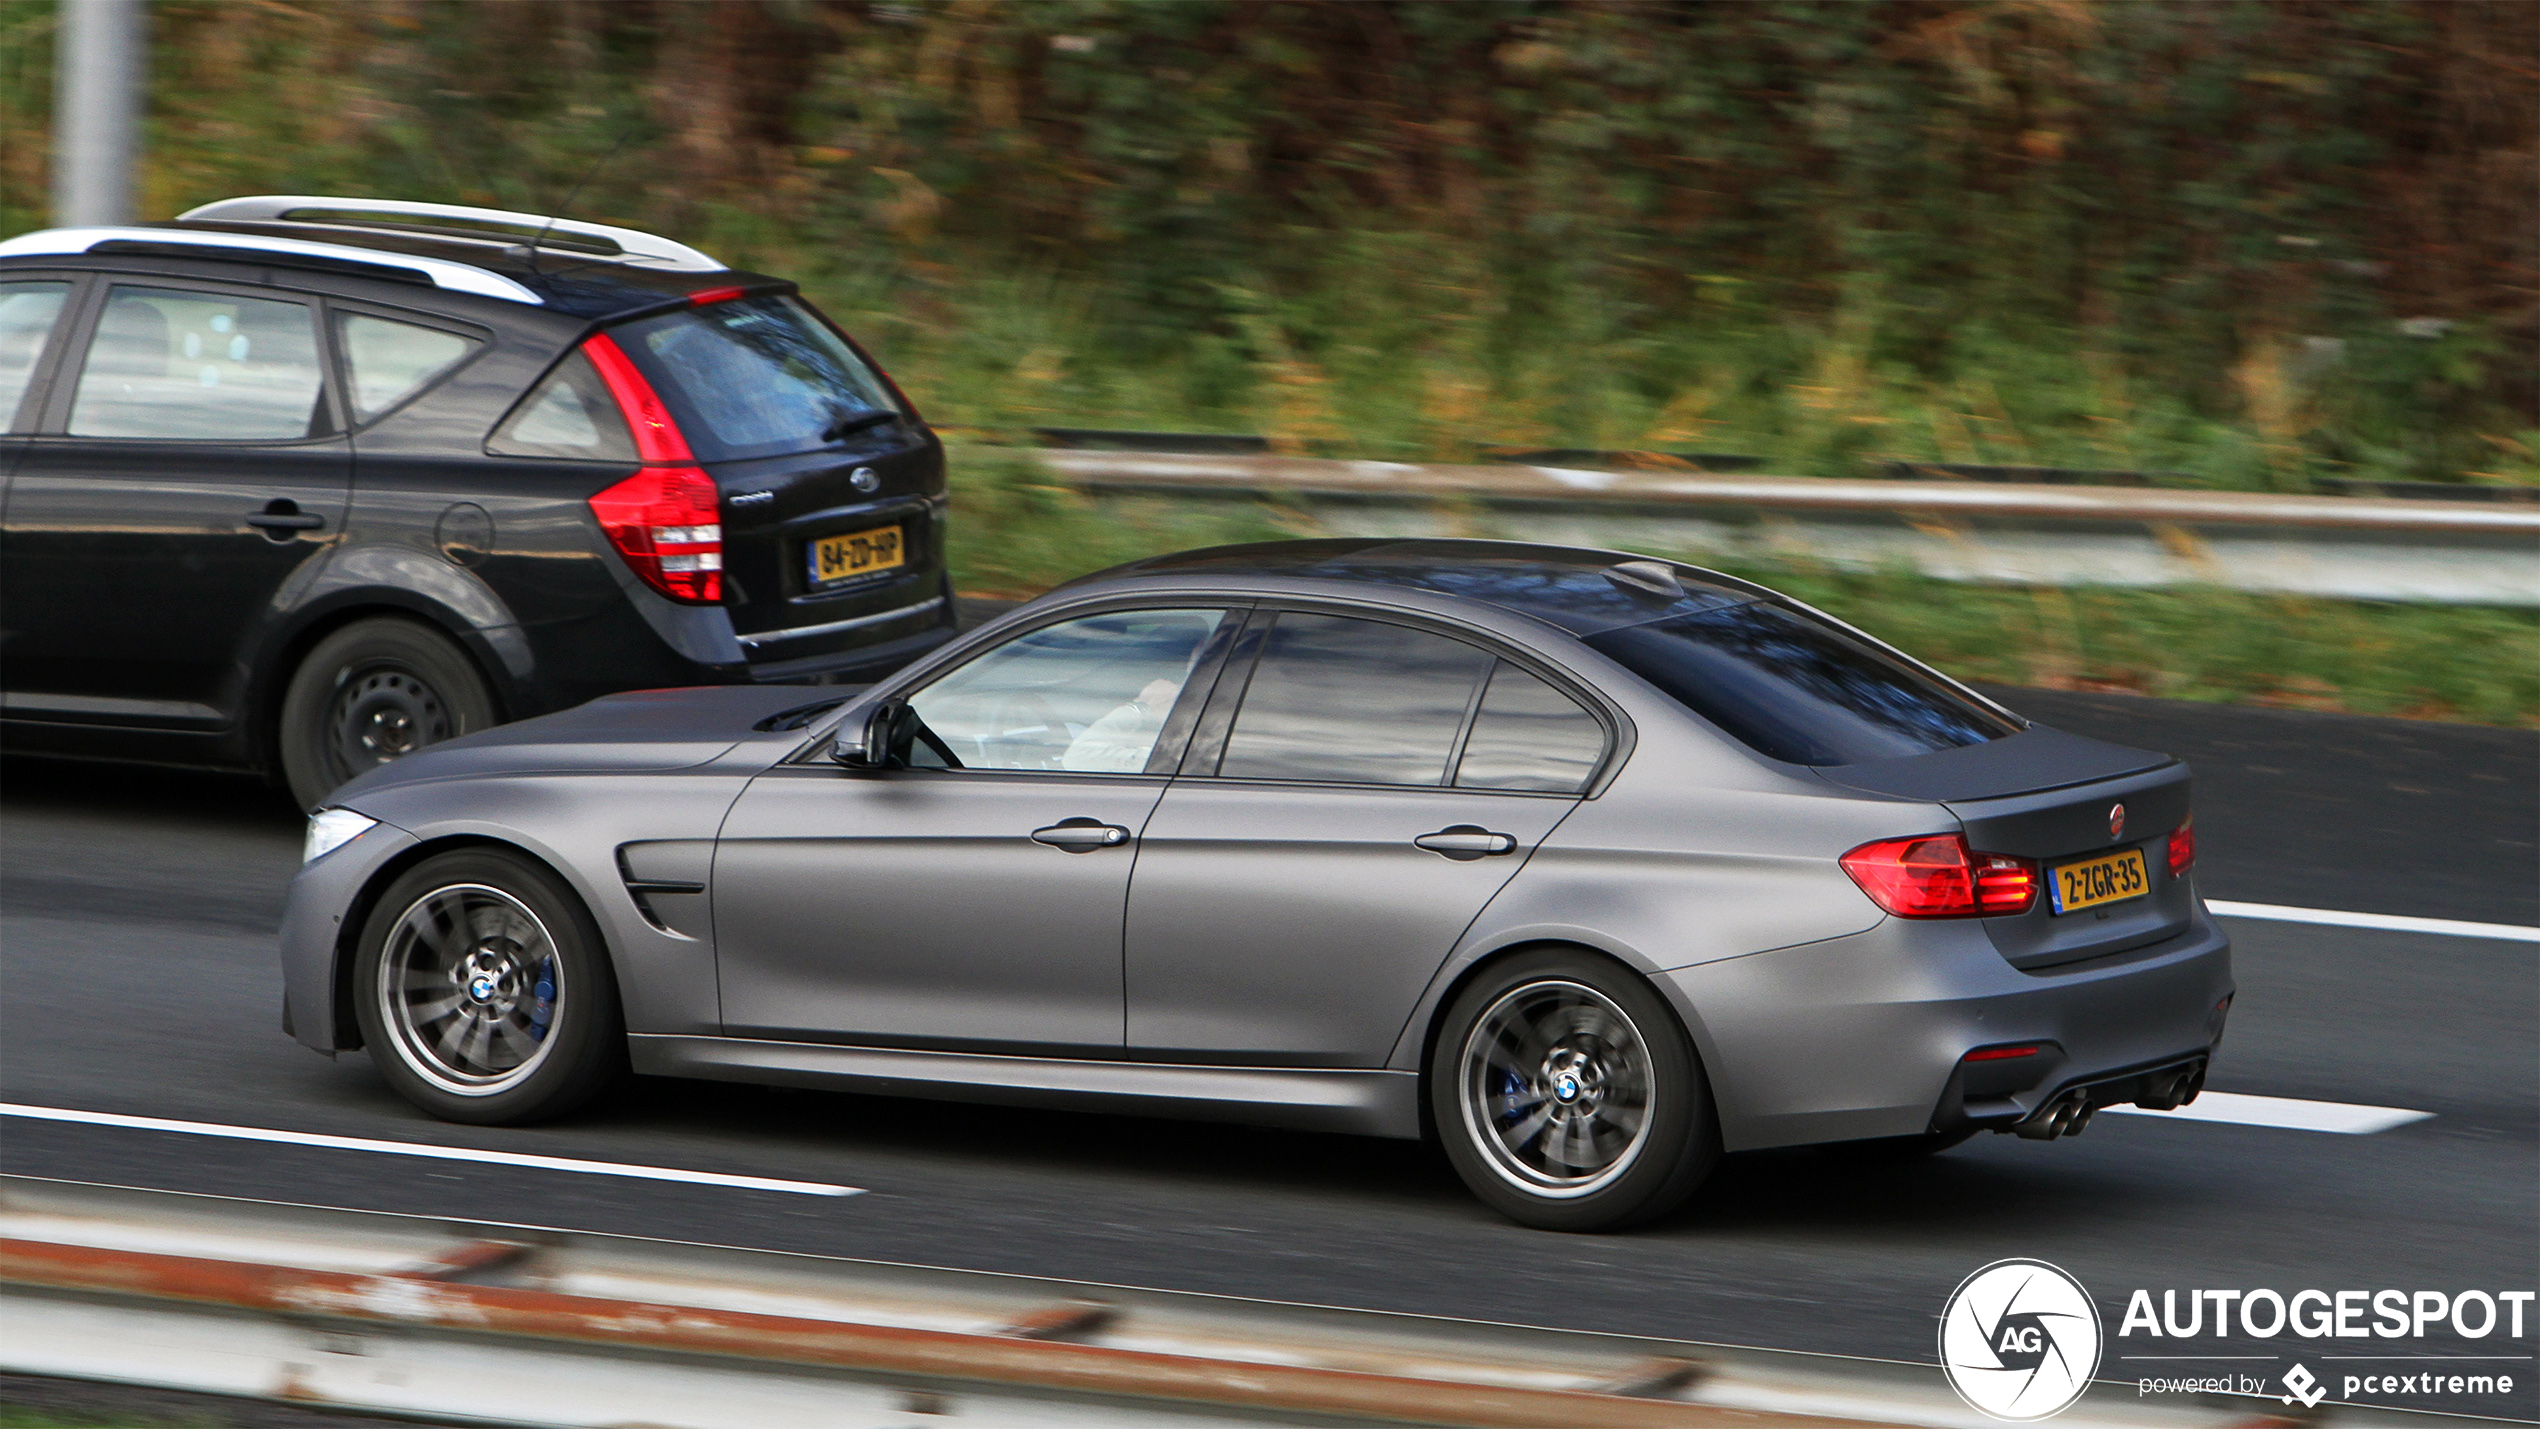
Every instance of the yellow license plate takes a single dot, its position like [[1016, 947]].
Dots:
[[840, 558], [2109, 878]]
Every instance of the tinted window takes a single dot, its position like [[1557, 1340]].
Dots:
[[1355, 701], [570, 414], [166, 362], [1088, 695], [755, 377], [388, 362], [1797, 689], [27, 311], [1529, 737]]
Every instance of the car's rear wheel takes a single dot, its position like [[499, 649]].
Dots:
[[376, 690], [1567, 1095], [484, 992]]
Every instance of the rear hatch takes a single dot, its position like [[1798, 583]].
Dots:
[[832, 487]]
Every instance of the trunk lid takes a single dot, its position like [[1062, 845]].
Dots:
[[2047, 795]]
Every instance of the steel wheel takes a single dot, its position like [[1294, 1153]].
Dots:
[[471, 988], [380, 714], [1556, 1088], [373, 692]]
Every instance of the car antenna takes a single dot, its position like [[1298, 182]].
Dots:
[[556, 210]]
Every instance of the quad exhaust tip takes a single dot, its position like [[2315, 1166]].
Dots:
[[2066, 1115]]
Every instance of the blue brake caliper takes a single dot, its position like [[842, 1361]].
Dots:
[[542, 1007]]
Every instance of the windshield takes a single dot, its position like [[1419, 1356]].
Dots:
[[757, 377], [1800, 689]]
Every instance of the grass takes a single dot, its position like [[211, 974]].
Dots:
[[1017, 531]]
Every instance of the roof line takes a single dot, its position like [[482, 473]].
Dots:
[[443, 273]]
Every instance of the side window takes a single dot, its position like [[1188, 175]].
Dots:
[[27, 311], [176, 364], [386, 362], [1529, 737], [570, 414], [1089, 695], [1352, 701]]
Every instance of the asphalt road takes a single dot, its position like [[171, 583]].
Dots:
[[137, 975]]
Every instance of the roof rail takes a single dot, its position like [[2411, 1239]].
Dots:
[[442, 273], [449, 220]]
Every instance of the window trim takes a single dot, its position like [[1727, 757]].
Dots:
[[64, 395], [335, 307], [1208, 746], [28, 418]]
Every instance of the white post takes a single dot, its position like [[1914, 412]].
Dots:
[[100, 60]]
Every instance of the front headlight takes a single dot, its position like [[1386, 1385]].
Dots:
[[331, 829]]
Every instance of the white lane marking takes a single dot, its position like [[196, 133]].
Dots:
[[436, 1153], [2289, 1112], [2385, 922]]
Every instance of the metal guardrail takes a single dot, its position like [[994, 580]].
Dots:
[[2378, 549], [520, 1325]]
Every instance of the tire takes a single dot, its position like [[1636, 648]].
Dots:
[[484, 992], [1623, 1128], [376, 690]]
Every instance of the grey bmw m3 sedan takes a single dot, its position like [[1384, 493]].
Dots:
[[1591, 866]]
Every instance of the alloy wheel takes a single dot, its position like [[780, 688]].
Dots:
[[471, 988], [1555, 1088]]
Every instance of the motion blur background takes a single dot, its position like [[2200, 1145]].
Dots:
[[2247, 246]]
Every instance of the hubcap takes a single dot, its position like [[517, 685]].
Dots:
[[472, 988], [1556, 1088]]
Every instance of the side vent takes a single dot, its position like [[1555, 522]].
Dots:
[[667, 880]]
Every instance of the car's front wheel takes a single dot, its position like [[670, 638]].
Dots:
[[376, 690], [484, 992], [1567, 1095]]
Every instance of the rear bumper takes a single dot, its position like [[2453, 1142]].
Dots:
[[1863, 1036]]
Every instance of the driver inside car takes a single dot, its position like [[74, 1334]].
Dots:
[[1119, 742]]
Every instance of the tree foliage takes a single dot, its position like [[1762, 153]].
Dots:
[[2140, 234]]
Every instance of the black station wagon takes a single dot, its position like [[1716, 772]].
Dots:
[[299, 485]]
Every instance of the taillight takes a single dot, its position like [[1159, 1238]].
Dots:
[[2183, 847], [664, 521], [1937, 876], [667, 519]]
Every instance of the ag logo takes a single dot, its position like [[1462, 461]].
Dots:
[[2020, 1340]]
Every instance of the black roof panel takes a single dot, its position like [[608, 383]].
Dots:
[[1582, 591]]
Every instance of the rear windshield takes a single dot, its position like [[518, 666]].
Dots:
[[757, 377], [1798, 689]]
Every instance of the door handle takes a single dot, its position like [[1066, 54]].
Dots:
[[1081, 835], [280, 516], [1466, 842]]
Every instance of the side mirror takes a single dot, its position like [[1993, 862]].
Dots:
[[874, 749]]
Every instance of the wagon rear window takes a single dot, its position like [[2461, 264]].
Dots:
[[1798, 689], [755, 377]]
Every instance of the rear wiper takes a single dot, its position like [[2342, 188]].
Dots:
[[849, 423]]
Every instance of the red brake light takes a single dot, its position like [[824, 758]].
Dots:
[[667, 519], [2183, 847], [1938, 877], [704, 296], [2001, 1054]]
